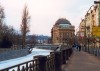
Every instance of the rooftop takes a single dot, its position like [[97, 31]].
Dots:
[[62, 21]]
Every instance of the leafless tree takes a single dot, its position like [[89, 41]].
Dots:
[[25, 25], [33, 40], [2, 17], [49, 41], [6, 31]]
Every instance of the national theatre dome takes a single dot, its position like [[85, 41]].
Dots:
[[62, 21], [61, 31]]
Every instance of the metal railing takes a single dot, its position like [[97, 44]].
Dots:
[[31, 65], [51, 62]]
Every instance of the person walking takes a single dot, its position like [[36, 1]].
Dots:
[[79, 46]]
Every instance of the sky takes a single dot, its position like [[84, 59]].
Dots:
[[44, 13]]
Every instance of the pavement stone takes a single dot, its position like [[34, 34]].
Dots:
[[82, 61]]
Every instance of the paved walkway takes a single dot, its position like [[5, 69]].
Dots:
[[82, 61]]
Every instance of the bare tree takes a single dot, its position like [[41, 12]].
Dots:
[[6, 31], [33, 40], [25, 25], [2, 17], [49, 40]]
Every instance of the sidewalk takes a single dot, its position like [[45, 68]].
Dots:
[[82, 61]]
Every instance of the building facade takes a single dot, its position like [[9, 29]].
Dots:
[[91, 20], [62, 32]]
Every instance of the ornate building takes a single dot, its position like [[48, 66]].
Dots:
[[62, 32], [89, 27], [91, 20]]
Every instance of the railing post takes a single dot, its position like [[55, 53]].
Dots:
[[63, 56], [58, 61], [26, 66], [67, 54], [70, 52], [53, 60], [42, 62]]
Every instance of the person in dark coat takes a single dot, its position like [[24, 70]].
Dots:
[[79, 46], [75, 46]]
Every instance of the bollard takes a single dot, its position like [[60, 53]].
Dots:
[[42, 62]]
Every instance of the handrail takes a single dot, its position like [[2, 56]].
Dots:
[[48, 63]]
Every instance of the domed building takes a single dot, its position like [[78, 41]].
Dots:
[[62, 32]]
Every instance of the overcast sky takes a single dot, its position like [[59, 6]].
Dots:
[[44, 13]]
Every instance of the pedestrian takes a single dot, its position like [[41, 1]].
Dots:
[[29, 50], [57, 49], [75, 46], [79, 46]]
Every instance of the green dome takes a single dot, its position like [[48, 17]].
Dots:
[[62, 21]]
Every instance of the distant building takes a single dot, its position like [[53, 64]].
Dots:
[[62, 32]]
